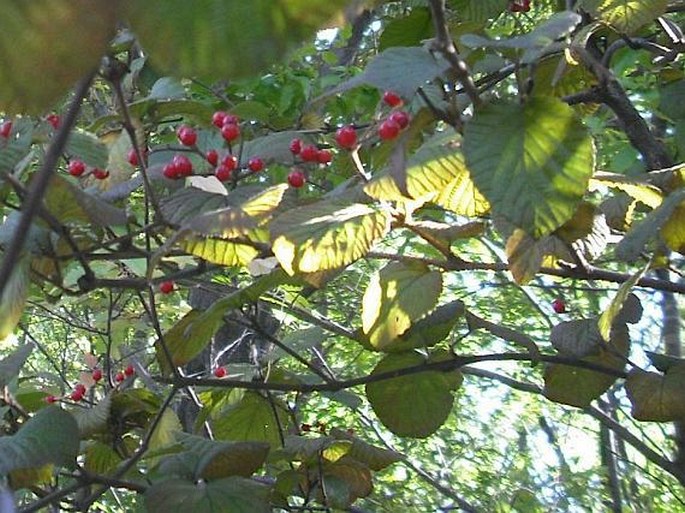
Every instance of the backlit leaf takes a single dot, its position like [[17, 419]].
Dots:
[[633, 187], [415, 405], [409, 30], [207, 38], [396, 296], [625, 15], [14, 296], [52, 56], [326, 235], [657, 397], [376, 458], [253, 419], [219, 251], [71, 204], [532, 162], [613, 312]]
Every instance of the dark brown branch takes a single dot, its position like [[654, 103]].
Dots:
[[40, 181], [444, 44]]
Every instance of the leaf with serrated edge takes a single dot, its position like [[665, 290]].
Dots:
[[396, 296], [50, 436], [326, 235], [633, 187], [532, 162], [219, 251], [415, 405]]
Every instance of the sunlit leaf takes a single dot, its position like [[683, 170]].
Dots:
[[50, 436], [634, 187], [207, 37], [220, 251], [71, 204], [179, 345], [625, 15], [613, 312], [42, 56], [531, 162], [29, 477], [228, 495], [415, 405], [326, 235], [376, 458], [657, 397], [409, 30], [253, 418], [430, 329], [396, 296]]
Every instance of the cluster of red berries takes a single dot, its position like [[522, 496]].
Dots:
[[80, 389], [519, 6], [77, 168], [179, 167], [397, 121]]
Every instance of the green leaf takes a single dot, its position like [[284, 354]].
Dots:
[[480, 10], [344, 481], [376, 458], [409, 30], [525, 254], [229, 495], [613, 313], [532, 162], [50, 436], [166, 431], [399, 69], [543, 35], [577, 338], [88, 148], [657, 397], [167, 88], [68, 203], [212, 460], [180, 344], [42, 55], [632, 245], [253, 418], [625, 15], [633, 187], [95, 419], [430, 329], [673, 231], [577, 386], [14, 296], [415, 405], [220, 251], [326, 235], [435, 172], [396, 296], [209, 37], [101, 458], [18, 146], [11, 366]]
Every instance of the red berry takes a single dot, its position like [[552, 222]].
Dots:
[[186, 135], [212, 157], [80, 387], [230, 131], [324, 156], [132, 157], [166, 287], [76, 396], [50, 399], [295, 146], [97, 375], [219, 372], [100, 174], [6, 129], [119, 377], [309, 153], [183, 165], [219, 118], [76, 167], [392, 99], [129, 370], [400, 117], [230, 162], [388, 130], [54, 120], [255, 164], [296, 178], [559, 305], [346, 137], [223, 173], [170, 171]]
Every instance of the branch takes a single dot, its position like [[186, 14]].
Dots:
[[40, 182], [444, 44]]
